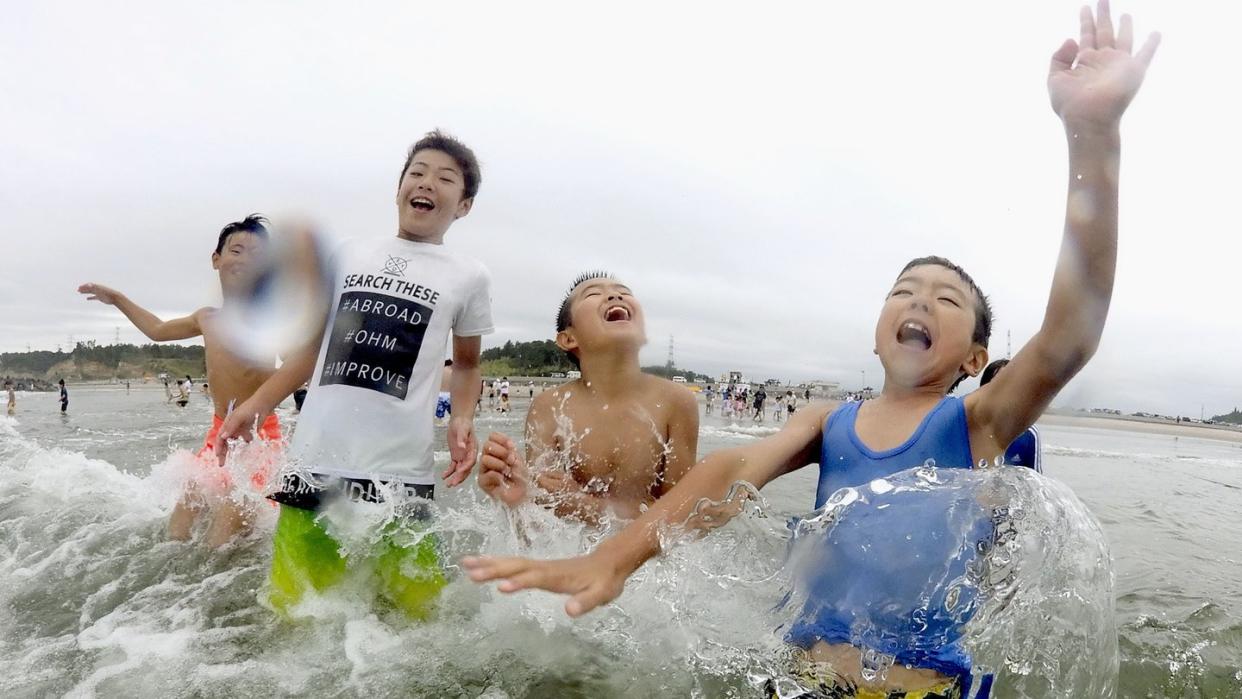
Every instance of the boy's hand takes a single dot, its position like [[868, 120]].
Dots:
[[592, 580], [99, 292], [239, 422], [1092, 81], [502, 472], [463, 450]]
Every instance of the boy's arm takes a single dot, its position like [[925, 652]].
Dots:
[[683, 439], [1090, 86], [598, 577], [146, 321], [464, 393]]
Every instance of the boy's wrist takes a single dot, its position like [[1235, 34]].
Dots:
[[1078, 129]]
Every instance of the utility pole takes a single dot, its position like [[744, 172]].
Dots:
[[117, 338], [669, 366], [1008, 344]]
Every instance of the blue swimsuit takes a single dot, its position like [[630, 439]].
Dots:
[[894, 579]]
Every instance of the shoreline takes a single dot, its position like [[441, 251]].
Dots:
[[1124, 423]]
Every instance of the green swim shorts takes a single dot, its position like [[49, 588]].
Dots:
[[403, 568]]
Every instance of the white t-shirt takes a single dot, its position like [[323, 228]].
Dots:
[[504, 388], [371, 405]]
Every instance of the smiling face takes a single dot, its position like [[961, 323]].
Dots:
[[430, 197], [925, 335], [240, 260], [603, 314]]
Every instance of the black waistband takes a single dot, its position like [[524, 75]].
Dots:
[[297, 491]]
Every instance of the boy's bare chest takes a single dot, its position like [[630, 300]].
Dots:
[[621, 452]]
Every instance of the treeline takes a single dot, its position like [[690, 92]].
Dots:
[[1234, 418], [89, 358], [543, 358], [538, 358]]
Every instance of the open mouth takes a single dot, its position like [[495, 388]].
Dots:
[[422, 204], [616, 314], [914, 335]]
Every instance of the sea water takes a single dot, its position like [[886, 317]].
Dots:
[[95, 601]]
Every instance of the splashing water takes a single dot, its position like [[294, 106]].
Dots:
[[1003, 563], [94, 601]]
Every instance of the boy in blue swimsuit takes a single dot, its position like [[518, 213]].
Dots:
[[932, 332]]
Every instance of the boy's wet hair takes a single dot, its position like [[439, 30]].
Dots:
[[254, 223], [562, 314], [983, 307], [991, 372], [455, 149]]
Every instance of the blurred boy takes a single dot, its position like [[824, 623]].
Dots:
[[237, 258]]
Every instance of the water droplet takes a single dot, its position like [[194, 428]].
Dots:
[[1078, 176]]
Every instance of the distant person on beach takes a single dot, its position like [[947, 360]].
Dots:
[[791, 403], [8, 388], [634, 433], [932, 332], [368, 425], [760, 396], [710, 397], [444, 402], [1025, 449], [168, 390], [237, 257], [64, 397]]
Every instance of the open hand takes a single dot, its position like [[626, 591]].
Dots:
[[99, 292], [463, 450], [502, 471], [592, 580], [1092, 81]]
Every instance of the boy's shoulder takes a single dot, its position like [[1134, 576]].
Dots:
[[677, 396]]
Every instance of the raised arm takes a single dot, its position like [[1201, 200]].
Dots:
[[1090, 83], [599, 577], [146, 321]]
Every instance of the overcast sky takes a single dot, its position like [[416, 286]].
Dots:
[[757, 173]]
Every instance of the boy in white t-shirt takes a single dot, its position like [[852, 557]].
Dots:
[[368, 417]]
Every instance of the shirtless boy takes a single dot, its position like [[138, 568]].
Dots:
[[236, 258], [628, 436]]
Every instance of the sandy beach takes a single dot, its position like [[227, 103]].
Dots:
[[1134, 424]]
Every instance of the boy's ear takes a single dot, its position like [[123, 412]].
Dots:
[[464, 207], [977, 360], [215, 261], [566, 341]]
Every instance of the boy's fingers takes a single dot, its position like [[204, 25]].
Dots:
[[490, 480], [534, 577], [486, 568], [587, 600], [1125, 34], [1063, 59], [1103, 26], [1146, 53], [1086, 28]]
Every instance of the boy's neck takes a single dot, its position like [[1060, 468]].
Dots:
[[610, 373], [898, 394], [434, 239]]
